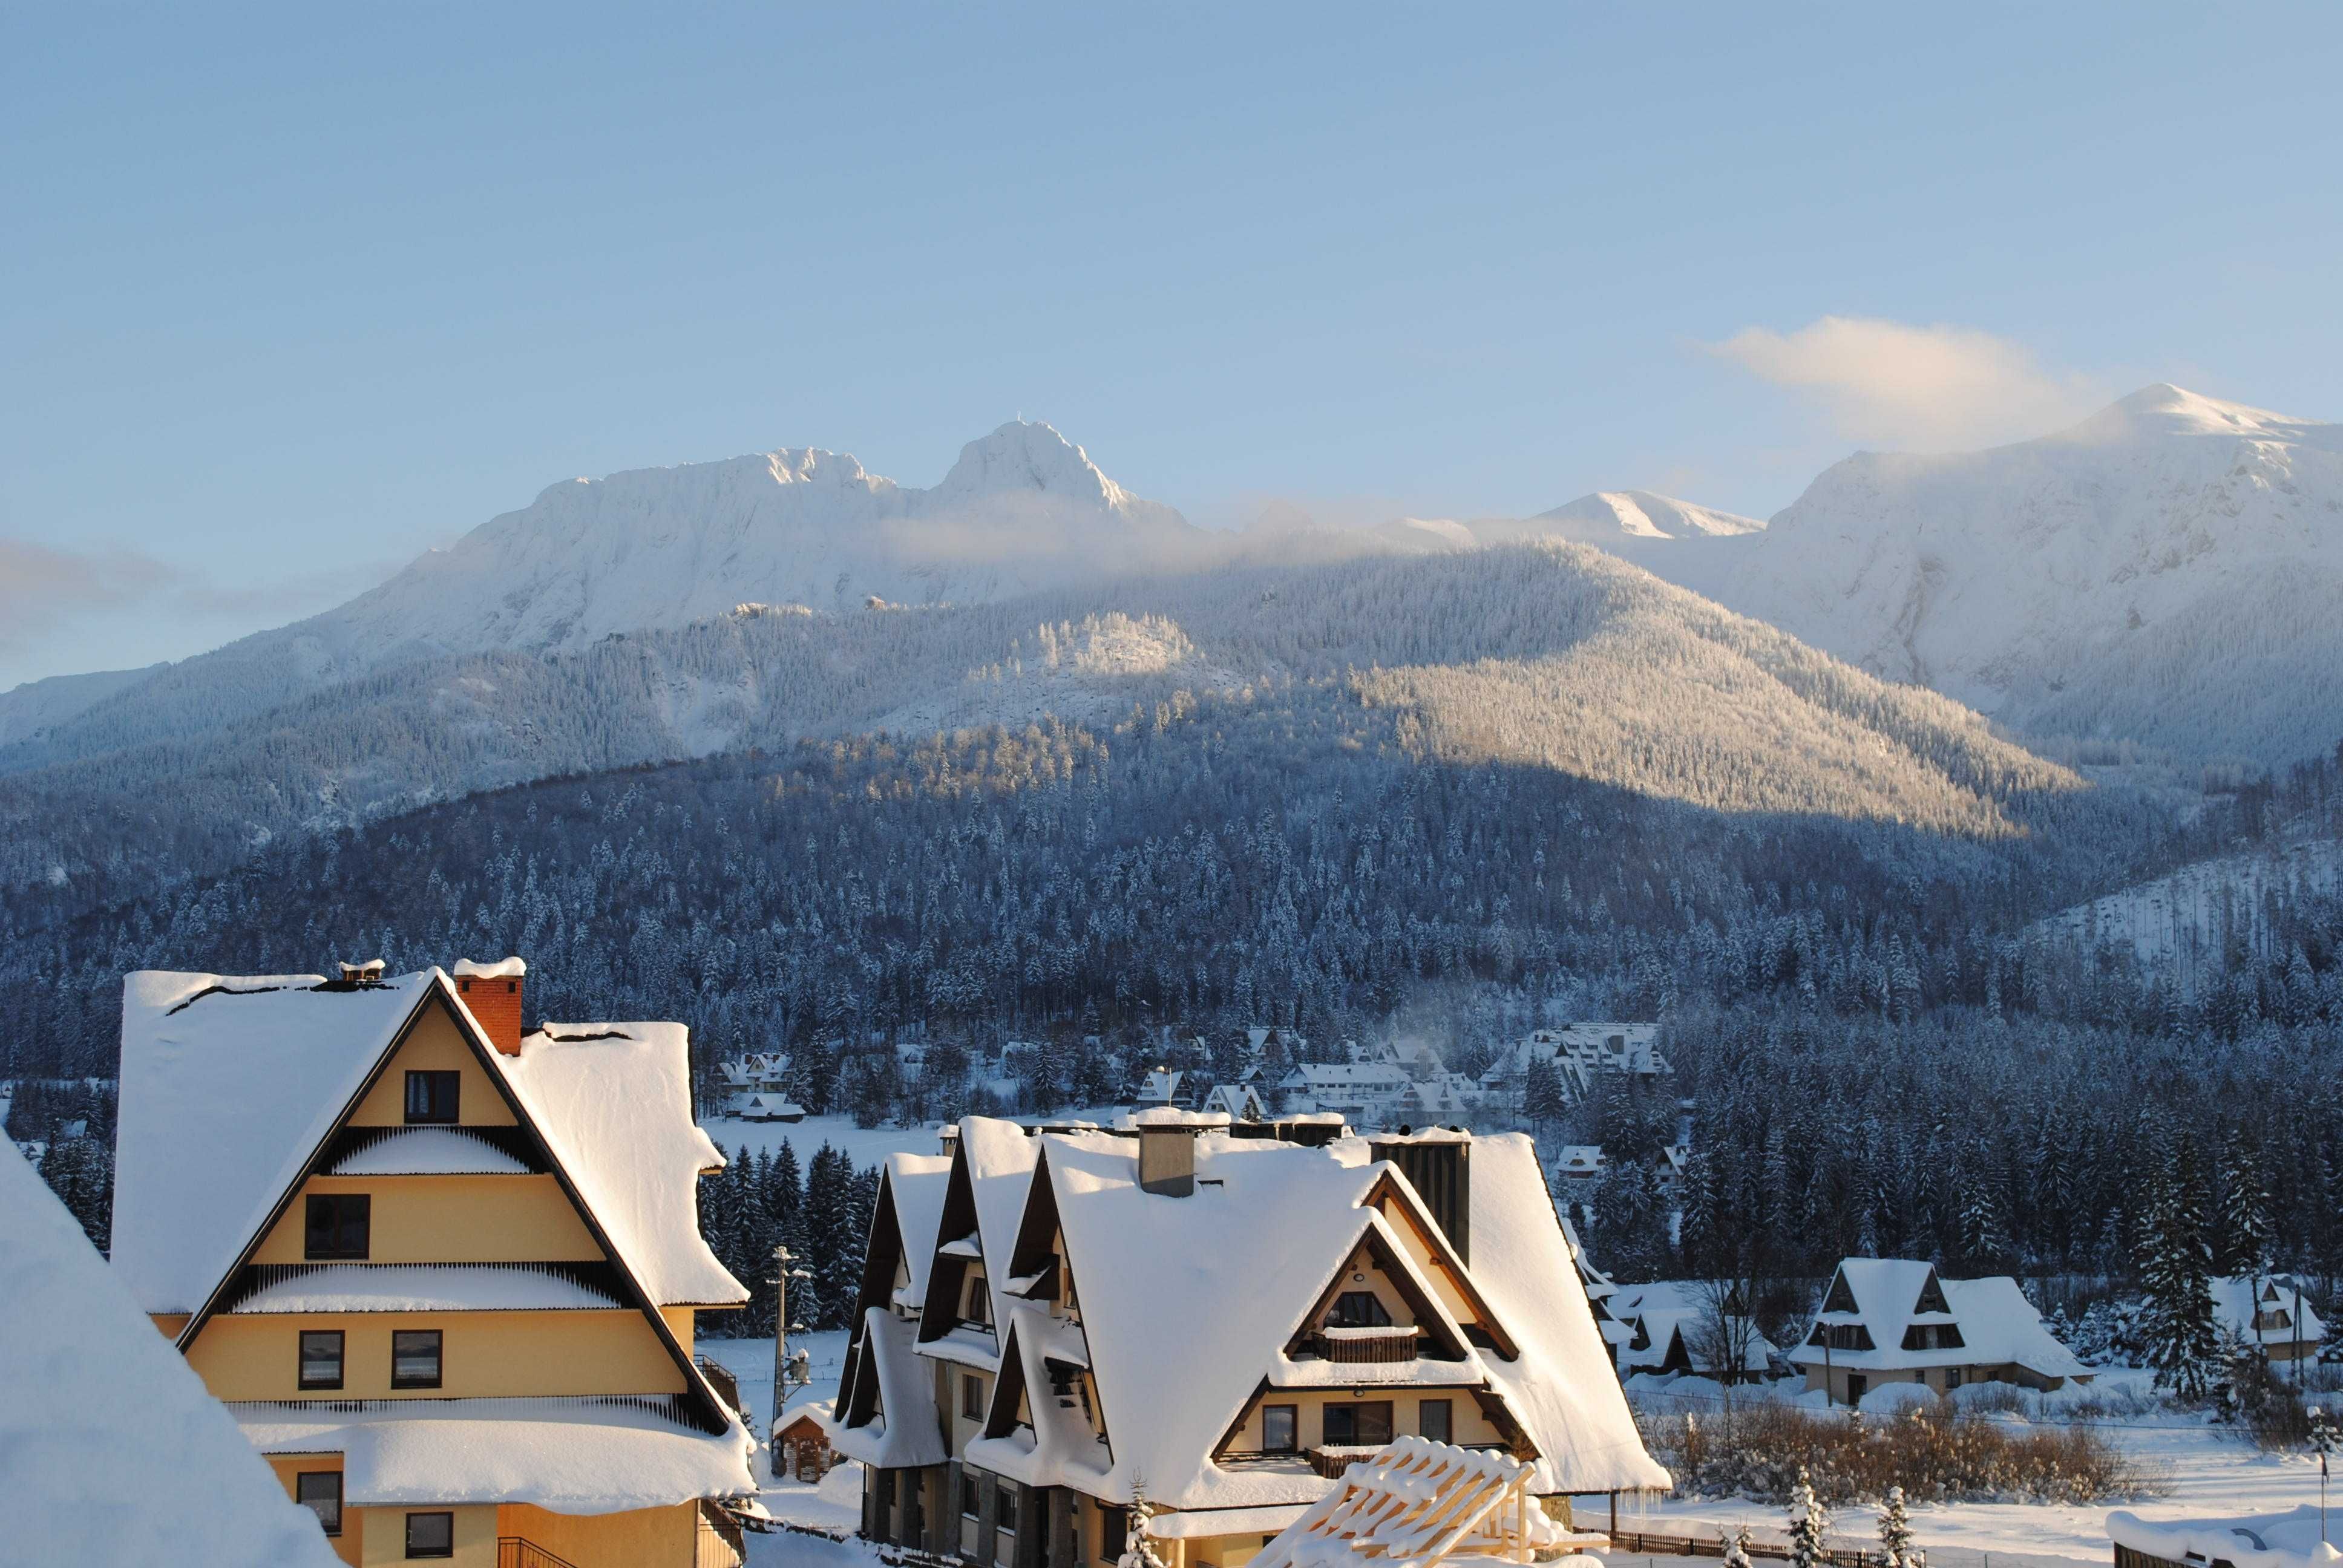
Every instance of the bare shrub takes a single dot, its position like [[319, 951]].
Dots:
[[1938, 1454]]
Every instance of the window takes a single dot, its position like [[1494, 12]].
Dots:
[[979, 1303], [320, 1492], [1857, 1385], [971, 1396], [1114, 1533], [1358, 1310], [337, 1225], [1842, 1336], [967, 1495], [431, 1535], [415, 1358], [1362, 1424], [321, 1358], [1278, 1428], [431, 1096], [1952, 1379], [1431, 1420]]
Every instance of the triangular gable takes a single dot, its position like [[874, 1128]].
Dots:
[[1392, 1261], [1931, 1298], [940, 1311], [1840, 1297], [715, 1416], [1394, 1196]]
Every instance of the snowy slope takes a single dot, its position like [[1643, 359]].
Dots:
[[2182, 924], [1609, 515], [112, 1451], [648, 549], [2167, 572]]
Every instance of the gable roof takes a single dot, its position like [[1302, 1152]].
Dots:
[[228, 1086], [1997, 1324], [96, 1396], [2234, 1305]]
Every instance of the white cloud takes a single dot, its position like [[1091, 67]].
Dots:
[[41, 586], [1887, 383]]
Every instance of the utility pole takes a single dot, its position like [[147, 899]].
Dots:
[[2323, 1441], [782, 1275]]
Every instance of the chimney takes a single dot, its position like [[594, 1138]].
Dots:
[[493, 993], [1439, 1165], [1167, 1158]]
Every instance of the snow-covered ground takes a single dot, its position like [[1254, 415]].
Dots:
[[2202, 1471], [2180, 924]]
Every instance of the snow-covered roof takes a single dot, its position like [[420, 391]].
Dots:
[[425, 1287], [112, 1451], [428, 1151], [614, 1103], [228, 1084], [2237, 1301], [2262, 1541], [1001, 1157], [571, 1455], [1997, 1323], [1661, 1327], [917, 1182], [903, 1429], [1058, 1448]]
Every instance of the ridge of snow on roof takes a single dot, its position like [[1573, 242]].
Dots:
[[502, 969], [571, 1455], [425, 1288], [112, 1451], [917, 1182], [1563, 1388], [228, 1084], [1174, 1352], [614, 1101]]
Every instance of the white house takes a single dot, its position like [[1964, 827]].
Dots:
[[1672, 1327], [1160, 1086], [1892, 1320], [1221, 1319], [1580, 1165], [2272, 1310], [2294, 1539], [769, 1108], [1237, 1101], [1364, 1091]]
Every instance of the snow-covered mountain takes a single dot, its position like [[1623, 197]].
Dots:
[[650, 549], [1610, 515], [2167, 572]]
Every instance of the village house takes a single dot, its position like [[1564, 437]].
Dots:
[[1892, 1320], [769, 1108], [1677, 1326], [444, 1275], [1369, 1092], [1237, 1101], [801, 1446], [1580, 1052], [1214, 1319], [758, 1072], [2272, 1312]]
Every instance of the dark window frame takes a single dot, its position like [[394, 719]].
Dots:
[[413, 1551], [1447, 1421], [439, 1358], [1361, 1435], [333, 1525], [301, 1358], [1114, 1533], [1293, 1414], [425, 1108], [329, 1219], [972, 1397], [967, 1495], [1359, 1310]]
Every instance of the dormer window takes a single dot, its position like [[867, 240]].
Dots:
[[979, 1307], [432, 1098], [1932, 1298]]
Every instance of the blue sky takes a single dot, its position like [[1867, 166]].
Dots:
[[294, 295]]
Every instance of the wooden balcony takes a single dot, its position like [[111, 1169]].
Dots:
[[1362, 1346]]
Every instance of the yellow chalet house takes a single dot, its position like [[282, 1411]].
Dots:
[[1214, 1320], [444, 1275]]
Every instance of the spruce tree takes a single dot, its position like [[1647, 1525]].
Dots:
[[2247, 1240], [1895, 1548], [1809, 1522], [2176, 1271]]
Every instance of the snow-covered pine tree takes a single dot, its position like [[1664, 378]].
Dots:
[[1809, 1523], [2248, 1240], [1543, 1102], [1895, 1548], [2176, 1273], [1735, 1543]]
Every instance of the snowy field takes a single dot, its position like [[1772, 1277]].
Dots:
[[2202, 1470]]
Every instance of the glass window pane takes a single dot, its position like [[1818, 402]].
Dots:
[[431, 1535], [321, 1358], [414, 1359], [1375, 1423], [1277, 1426], [320, 1492], [1433, 1421]]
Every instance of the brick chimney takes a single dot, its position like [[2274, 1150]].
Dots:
[[493, 993]]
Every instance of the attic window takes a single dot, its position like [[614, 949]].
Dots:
[[1934, 1337], [1841, 1337], [1842, 1300], [1358, 1310], [432, 1097], [337, 1225], [1932, 1298]]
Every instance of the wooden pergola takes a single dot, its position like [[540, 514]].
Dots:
[[1420, 1503]]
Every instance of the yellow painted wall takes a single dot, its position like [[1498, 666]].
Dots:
[[651, 1537], [1466, 1421], [1443, 1289], [679, 1323], [447, 1220], [434, 1045], [476, 1536], [168, 1324], [484, 1355], [349, 1544]]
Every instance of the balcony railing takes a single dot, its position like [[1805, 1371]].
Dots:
[[1355, 1346], [728, 1387], [519, 1552]]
